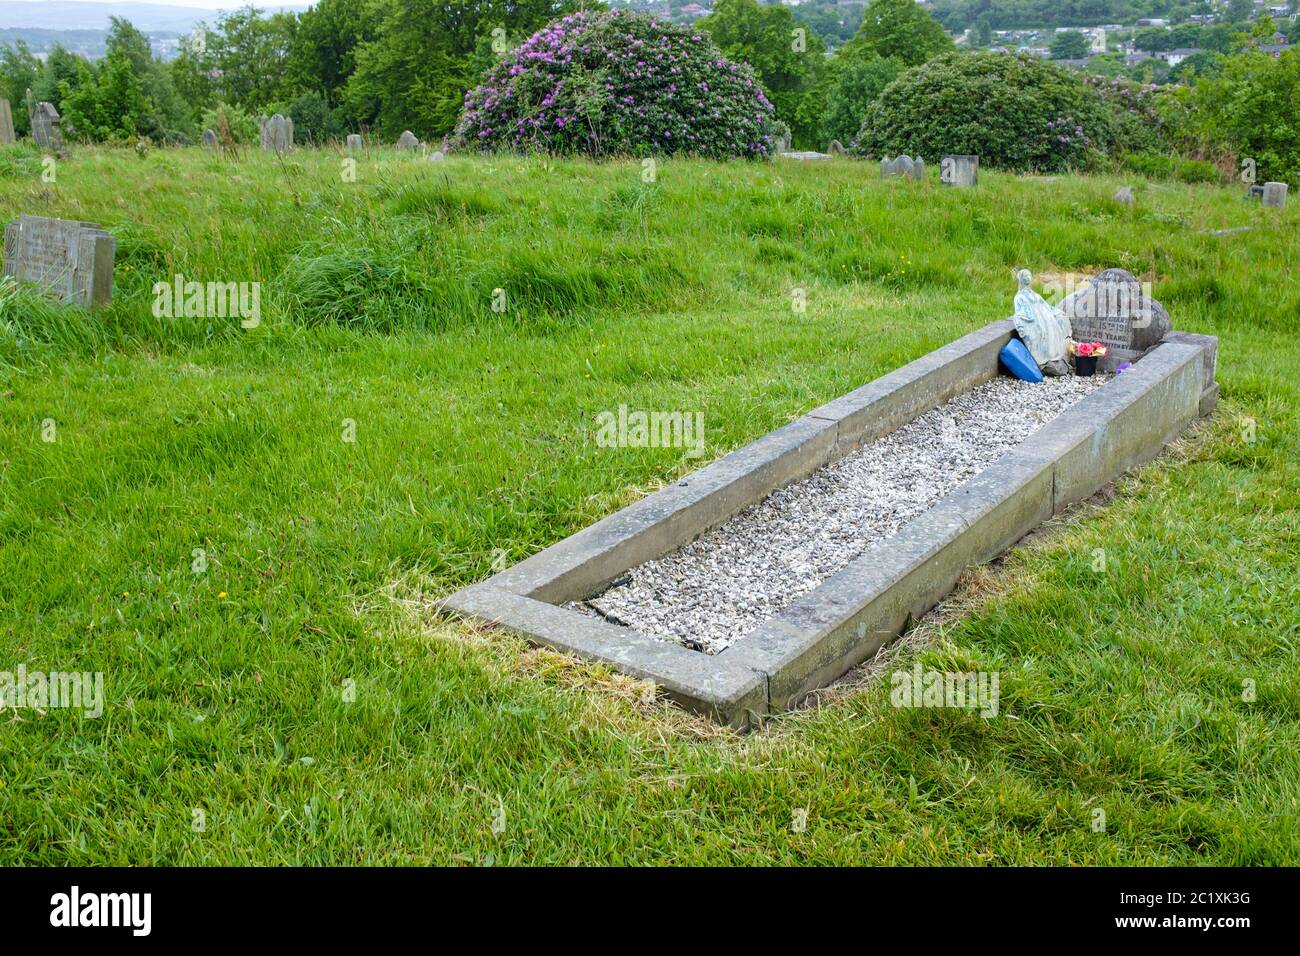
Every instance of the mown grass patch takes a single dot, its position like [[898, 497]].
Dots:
[[226, 686]]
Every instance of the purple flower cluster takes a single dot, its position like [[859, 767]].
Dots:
[[618, 83]]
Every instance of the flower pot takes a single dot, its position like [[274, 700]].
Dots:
[[1085, 365]]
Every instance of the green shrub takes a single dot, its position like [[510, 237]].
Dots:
[[857, 84], [1014, 112], [1156, 166], [608, 84], [243, 125]]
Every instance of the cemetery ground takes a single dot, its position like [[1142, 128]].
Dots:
[[245, 530]]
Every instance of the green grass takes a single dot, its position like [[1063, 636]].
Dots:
[[475, 440]]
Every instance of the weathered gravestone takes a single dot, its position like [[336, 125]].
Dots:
[[1274, 195], [437, 156], [279, 135], [264, 131], [72, 260], [354, 143], [6, 123], [1115, 310], [209, 139], [959, 170], [288, 125], [902, 166], [1124, 196], [836, 148], [407, 140], [45, 128]]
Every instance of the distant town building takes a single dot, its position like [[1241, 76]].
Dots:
[[1174, 57]]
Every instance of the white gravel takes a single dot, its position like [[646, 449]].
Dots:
[[713, 591]]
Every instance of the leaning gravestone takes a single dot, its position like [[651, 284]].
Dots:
[[6, 123], [1113, 309], [45, 128], [288, 125], [279, 136], [209, 139], [354, 143], [407, 140], [73, 260], [836, 148], [1274, 195], [959, 170]]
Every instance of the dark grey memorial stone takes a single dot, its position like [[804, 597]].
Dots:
[[1113, 309]]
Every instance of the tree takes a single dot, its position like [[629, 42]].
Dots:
[[414, 73], [857, 84], [323, 54], [900, 29], [18, 71], [982, 32], [1069, 45], [788, 59]]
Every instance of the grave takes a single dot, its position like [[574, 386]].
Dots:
[[7, 137], [71, 260], [835, 532], [210, 139], [407, 141], [279, 134], [46, 131], [836, 148], [1124, 196], [1274, 196], [959, 170], [1114, 309], [902, 166], [354, 143], [263, 131], [804, 154]]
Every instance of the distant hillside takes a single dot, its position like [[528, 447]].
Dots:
[[70, 15]]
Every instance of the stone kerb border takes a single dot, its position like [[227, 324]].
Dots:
[[852, 614]]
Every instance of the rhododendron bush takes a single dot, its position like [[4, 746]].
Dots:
[[618, 83]]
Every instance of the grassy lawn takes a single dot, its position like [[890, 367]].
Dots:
[[184, 443]]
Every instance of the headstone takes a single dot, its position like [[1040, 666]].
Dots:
[[1275, 195], [45, 128], [73, 260], [354, 143], [902, 166], [264, 131], [437, 156], [836, 148], [1124, 196], [1113, 309], [407, 140], [6, 123], [278, 135], [783, 143], [209, 139], [288, 125], [959, 170]]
